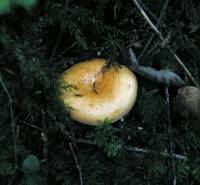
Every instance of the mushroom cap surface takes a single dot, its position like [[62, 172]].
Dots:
[[98, 92]]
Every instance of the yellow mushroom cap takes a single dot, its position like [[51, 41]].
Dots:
[[99, 92]]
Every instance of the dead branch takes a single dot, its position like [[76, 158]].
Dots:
[[136, 150]]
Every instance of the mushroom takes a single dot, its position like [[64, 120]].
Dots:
[[99, 92]]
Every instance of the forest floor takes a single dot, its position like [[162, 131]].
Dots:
[[157, 142]]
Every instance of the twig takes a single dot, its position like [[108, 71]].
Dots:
[[128, 148], [56, 45], [31, 125], [13, 129], [67, 49], [146, 46], [12, 123], [44, 137], [164, 154], [59, 36], [184, 67], [162, 13], [146, 9], [162, 39], [147, 19], [157, 25], [77, 164], [45, 146], [135, 149], [170, 135]]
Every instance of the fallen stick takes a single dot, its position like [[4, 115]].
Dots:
[[165, 154], [135, 149]]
